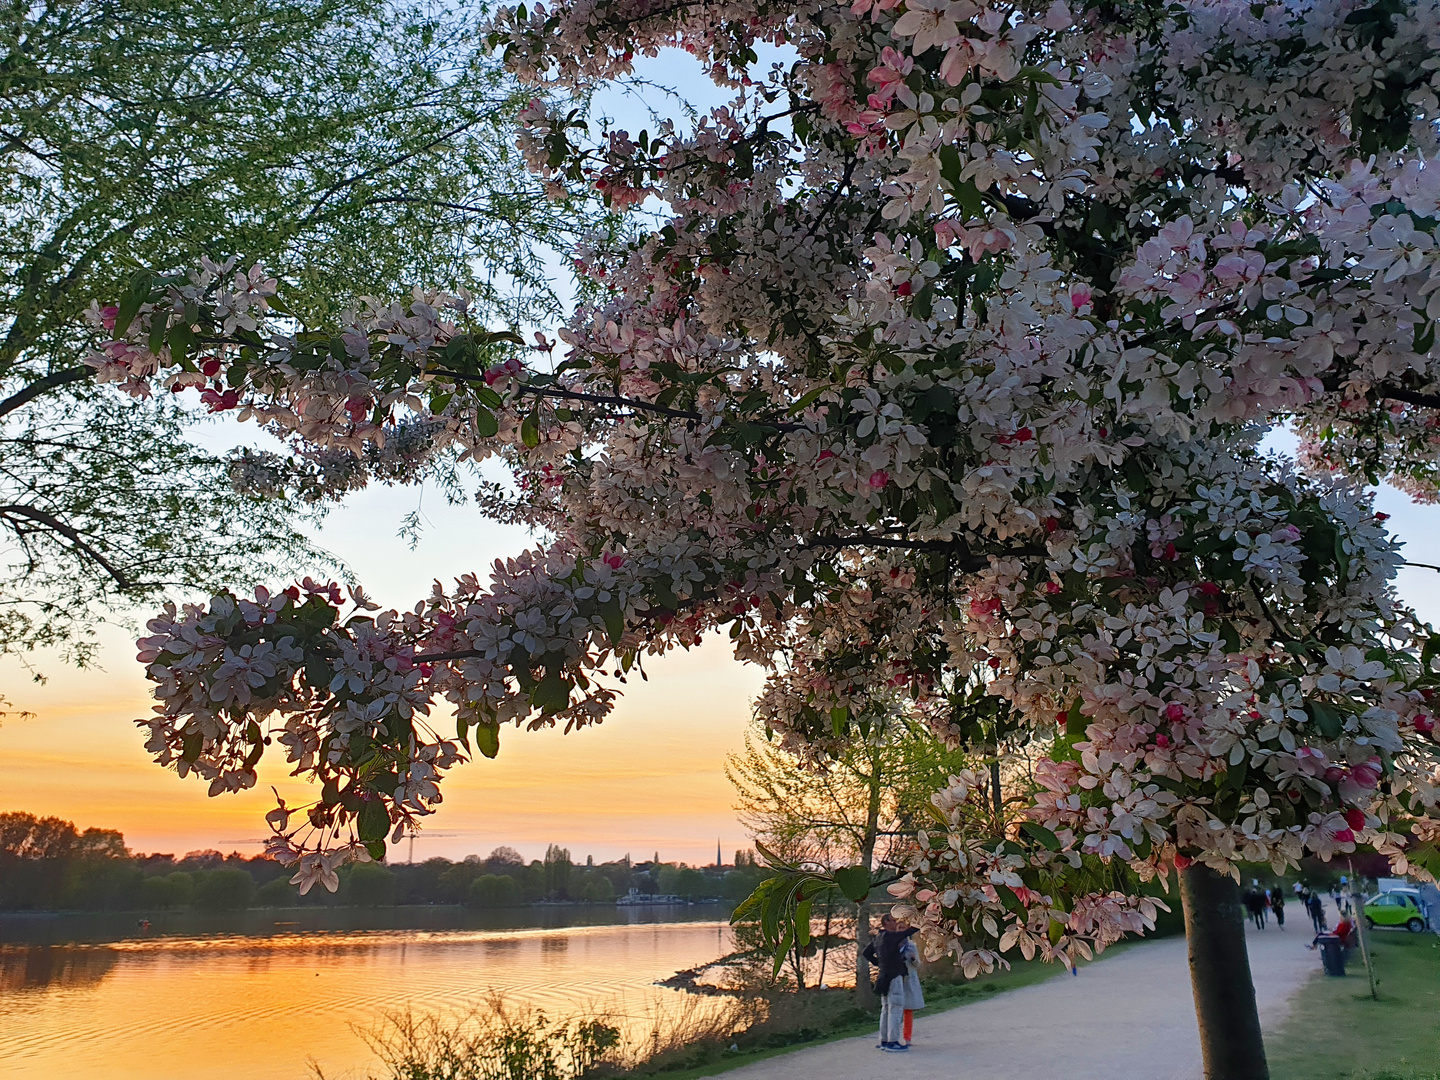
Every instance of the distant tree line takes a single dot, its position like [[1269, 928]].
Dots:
[[47, 864]]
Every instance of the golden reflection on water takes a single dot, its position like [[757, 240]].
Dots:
[[260, 1008]]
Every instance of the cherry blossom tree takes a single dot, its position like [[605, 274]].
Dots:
[[944, 372]]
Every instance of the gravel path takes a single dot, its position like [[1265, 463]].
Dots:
[[1130, 1017]]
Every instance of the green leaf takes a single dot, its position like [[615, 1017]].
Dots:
[[771, 859], [182, 342], [373, 820], [191, 743], [486, 426], [530, 431], [136, 293], [1426, 856], [854, 882], [754, 901], [1230, 636], [614, 621], [487, 739], [806, 400], [1040, 835], [781, 951], [552, 693], [802, 923], [376, 848], [1234, 777], [1329, 720]]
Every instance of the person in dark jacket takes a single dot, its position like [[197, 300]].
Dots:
[[1254, 901], [1316, 907], [884, 953]]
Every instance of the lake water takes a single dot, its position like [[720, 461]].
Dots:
[[257, 996]]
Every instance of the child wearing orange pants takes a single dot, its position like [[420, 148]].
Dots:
[[914, 996]]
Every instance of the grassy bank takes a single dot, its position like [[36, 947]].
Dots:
[[1335, 1031]]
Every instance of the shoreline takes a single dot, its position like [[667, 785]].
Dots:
[[20, 929]]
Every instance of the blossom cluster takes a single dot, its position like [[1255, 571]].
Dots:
[[949, 395]]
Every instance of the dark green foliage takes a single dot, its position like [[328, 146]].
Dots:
[[684, 881], [352, 146], [370, 885], [223, 890], [46, 864], [598, 888], [277, 893], [167, 891], [494, 891], [453, 885], [557, 873]]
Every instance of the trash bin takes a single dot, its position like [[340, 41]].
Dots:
[[1332, 955]]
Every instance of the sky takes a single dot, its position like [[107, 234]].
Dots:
[[650, 779]]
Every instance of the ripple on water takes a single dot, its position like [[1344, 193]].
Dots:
[[164, 1008]]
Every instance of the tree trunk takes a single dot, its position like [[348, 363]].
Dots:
[[825, 945], [999, 803], [1230, 1039], [864, 992]]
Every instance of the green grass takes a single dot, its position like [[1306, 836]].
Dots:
[[1335, 1031], [844, 1021]]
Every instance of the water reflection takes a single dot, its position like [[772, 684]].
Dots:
[[52, 966], [96, 928], [99, 1012]]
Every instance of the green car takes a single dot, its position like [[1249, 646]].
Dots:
[[1394, 909]]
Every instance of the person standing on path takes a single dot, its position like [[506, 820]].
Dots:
[[884, 953], [1317, 912], [914, 994], [1277, 905]]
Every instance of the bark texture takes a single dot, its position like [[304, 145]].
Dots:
[[1230, 1039], [864, 993]]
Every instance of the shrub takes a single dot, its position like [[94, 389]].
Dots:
[[223, 890], [453, 886], [597, 888], [493, 891], [370, 885], [499, 1045], [167, 890], [277, 892]]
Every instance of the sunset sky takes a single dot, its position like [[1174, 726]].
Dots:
[[650, 778]]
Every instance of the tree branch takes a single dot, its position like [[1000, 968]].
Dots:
[[51, 522], [1410, 397], [437, 658], [608, 399], [904, 543], [40, 386]]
